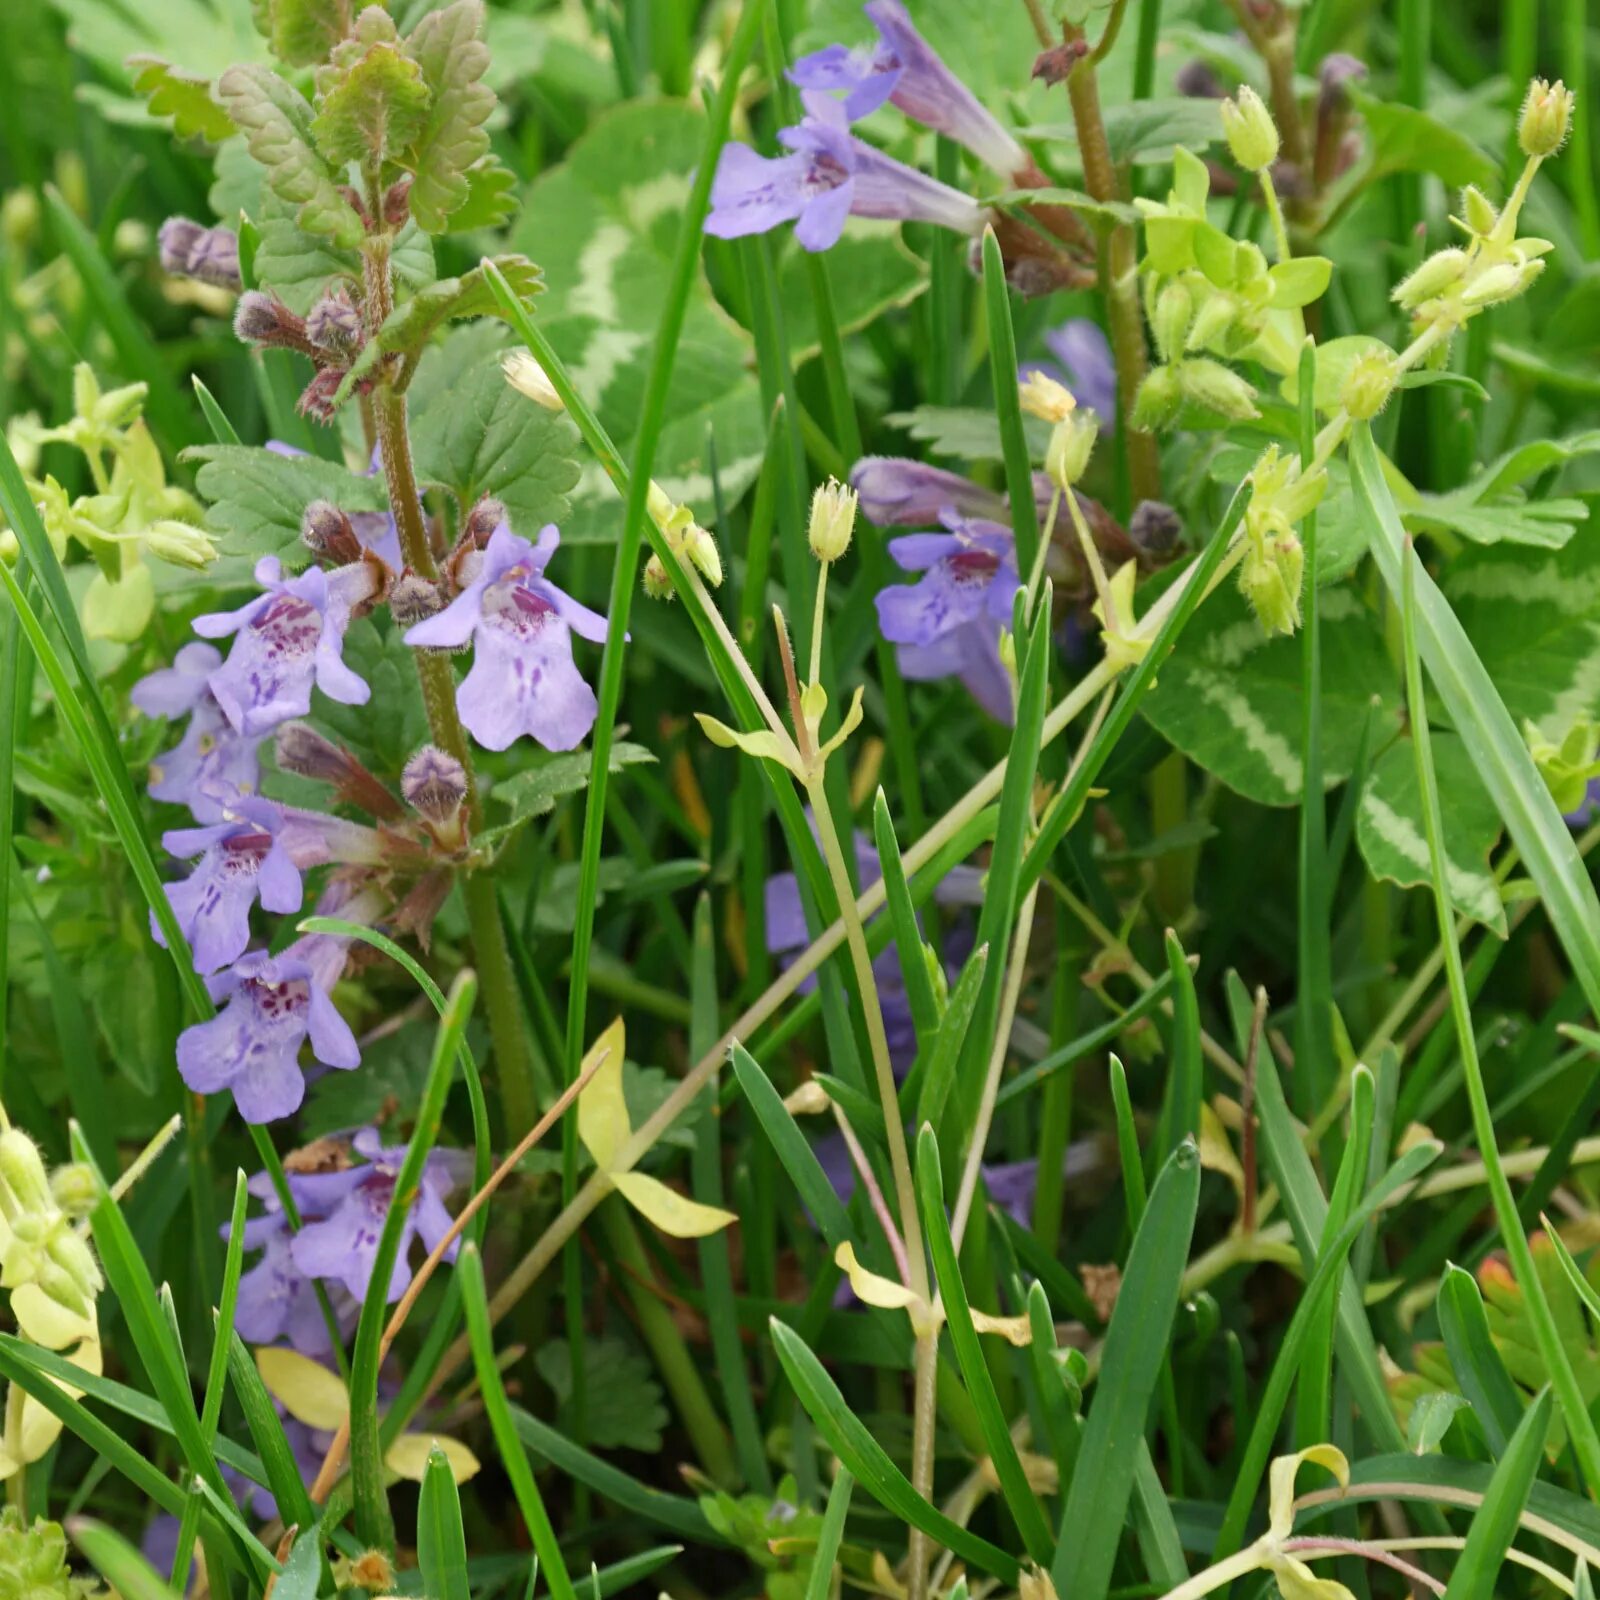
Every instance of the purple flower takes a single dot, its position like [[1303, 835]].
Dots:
[[192, 251], [212, 760], [1083, 362], [522, 678], [830, 176], [904, 69], [253, 1045], [1584, 815], [343, 1246], [949, 622], [284, 639], [259, 850], [896, 491]]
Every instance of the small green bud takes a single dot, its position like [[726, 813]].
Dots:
[[75, 1189], [1173, 312], [1159, 399], [1501, 282], [833, 520], [1477, 212], [179, 544], [72, 1255], [1368, 385], [1545, 119], [1213, 323], [1251, 133], [1071, 445], [657, 580], [1217, 388], [23, 1172], [1008, 652], [1441, 272], [1270, 578], [63, 1287]]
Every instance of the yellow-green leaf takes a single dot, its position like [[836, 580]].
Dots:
[[310, 1393], [870, 1288], [602, 1111], [670, 1211], [408, 1456]]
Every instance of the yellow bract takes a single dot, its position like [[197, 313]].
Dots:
[[873, 1289], [605, 1129]]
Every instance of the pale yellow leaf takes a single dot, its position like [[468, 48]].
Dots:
[[763, 742], [869, 1287], [671, 1212], [1216, 1153], [1296, 1581], [1284, 1471], [1014, 1330], [408, 1456], [852, 721], [602, 1111], [310, 1393]]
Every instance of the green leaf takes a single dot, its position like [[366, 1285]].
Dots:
[[475, 435], [1022, 1502], [945, 1051], [1389, 827], [1299, 281], [903, 919], [1548, 524], [118, 1562], [1230, 696], [1406, 139], [535, 791], [303, 1569], [301, 32], [441, 1541], [1008, 408], [969, 433], [257, 497], [1430, 1420], [1135, 1349], [184, 98], [410, 325], [492, 199], [448, 47], [623, 1407], [266, 1431], [1494, 1525], [1476, 1362], [371, 99], [871, 272], [867, 1461], [276, 122]]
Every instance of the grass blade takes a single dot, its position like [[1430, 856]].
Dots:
[[441, 1540], [1474, 1357], [1494, 1525], [1008, 403], [820, 1585]]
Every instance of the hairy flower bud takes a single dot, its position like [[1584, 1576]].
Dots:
[[261, 319], [191, 251], [434, 784], [300, 749], [333, 324], [1217, 388], [1042, 396], [1174, 309], [485, 516], [1441, 272], [75, 1188], [1154, 527], [414, 599], [1071, 444], [658, 581], [1368, 385], [326, 531], [22, 1171], [397, 202], [1251, 133], [180, 543], [526, 376], [1270, 577], [1159, 399], [1337, 72], [1545, 119], [833, 520]]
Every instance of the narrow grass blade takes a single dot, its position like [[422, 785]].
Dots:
[[792, 1147], [1019, 1496], [266, 1430], [1136, 1345], [118, 1562], [1127, 1145], [1275, 1396], [934, 1091], [852, 1441], [1494, 1525], [1007, 403], [371, 1499], [441, 1540], [903, 921], [513, 1458], [1474, 1358], [1183, 1067], [820, 1584], [216, 418]]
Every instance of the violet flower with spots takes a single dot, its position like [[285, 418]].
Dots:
[[523, 680], [212, 760], [903, 69], [948, 623], [273, 1004], [284, 640], [830, 175], [1082, 361], [257, 852], [343, 1246]]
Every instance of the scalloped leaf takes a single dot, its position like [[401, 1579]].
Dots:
[[371, 98], [182, 96], [302, 32], [447, 45]]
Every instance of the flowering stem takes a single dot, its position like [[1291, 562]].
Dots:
[[817, 617], [490, 955], [1122, 283]]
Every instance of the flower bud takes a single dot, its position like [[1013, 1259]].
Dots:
[[191, 251], [23, 1171], [1545, 119], [1501, 282], [833, 520], [74, 1257], [1251, 133], [326, 531], [526, 376], [1174, 309], [1041, 396], [1368, 385], [1270, 577], [1217, 388], [333, 324], [1337, 72], [1216, 323], [62, 1286], [703, 552], [300, 749], [434, 784], [1071, 445], [1441, 272], [658, 504], [657, 580], [481, 521], [397, 202], [261, 319], [180, 543], [1478, 213], [75, 1189], [414, 599], [1154, 527], [1159, 399]]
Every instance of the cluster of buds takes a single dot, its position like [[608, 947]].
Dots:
[[331, 334], [1272, 568], [688, 540], [42, 1244], [33, 1562], [1073, 429], [1494, 265]]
